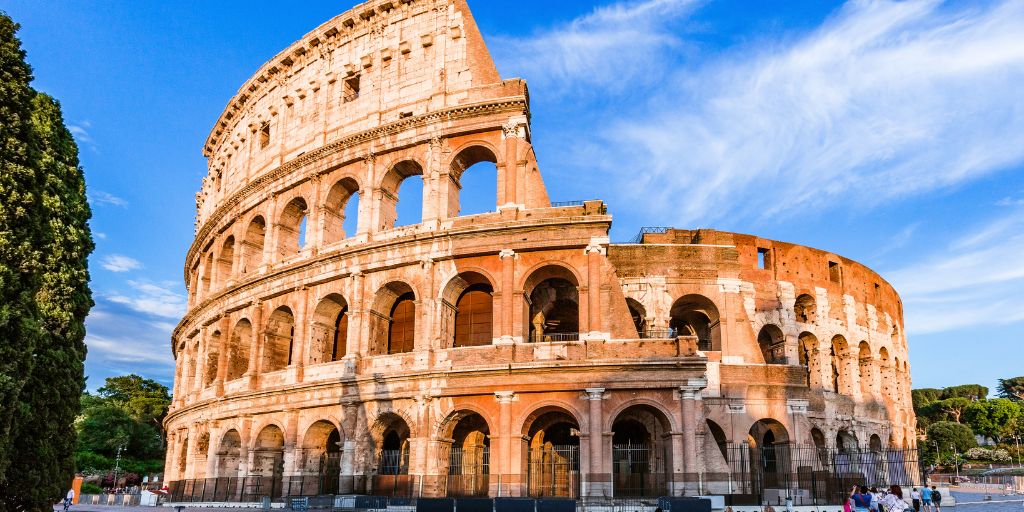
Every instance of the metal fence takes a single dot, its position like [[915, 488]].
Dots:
[[745, 475]]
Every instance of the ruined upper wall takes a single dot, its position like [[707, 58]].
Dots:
[[378, 63]]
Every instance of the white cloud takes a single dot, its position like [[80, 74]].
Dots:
[[101, 198], [883, 101], [974, 281], [158, 300], [120, 263], [613, 47]]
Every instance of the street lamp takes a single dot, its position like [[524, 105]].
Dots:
[[1016, 440], [956, 460]]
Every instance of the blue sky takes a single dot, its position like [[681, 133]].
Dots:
[[891, 133]]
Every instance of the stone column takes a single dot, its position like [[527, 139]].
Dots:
[[270, 236], [300, 337], [501, 473], [596, 481], [508, 276], [201, 359], [357, 325], [255, 349], [595, 256], [222, 355], [688, 395], [292, 453], [510, 136], [346, 483], [314, 224]]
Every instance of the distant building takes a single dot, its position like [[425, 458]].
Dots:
[[516, 352]]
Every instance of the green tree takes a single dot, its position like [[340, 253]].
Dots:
[[953, 407], [924, 396], [20, 219], [145, 399], [946, 435], [1012, 388], [968, 391], [42, 460], [991, 418]]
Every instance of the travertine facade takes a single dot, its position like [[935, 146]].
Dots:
[[519, 345]]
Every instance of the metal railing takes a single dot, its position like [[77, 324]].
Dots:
[[554, 336], [657, 230], [563, 204]]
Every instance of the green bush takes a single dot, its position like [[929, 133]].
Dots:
[[88, 488]]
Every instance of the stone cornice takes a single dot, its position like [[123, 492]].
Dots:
[[501, 105]]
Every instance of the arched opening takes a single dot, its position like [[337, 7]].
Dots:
[[554, 454], [391, 437], [321, 467], [193, 366], [474, 169], [875, 443], [238, 350], [807, 350], [468, 455], [212, 358], [769, 442], [805, 309], [279, 340], [393, 319], [252, 246], [696, 315], [341, 203], [226, 260], [183, 457], [717, 461], [840, 375], [291, 234], [467, 313], [405, 181], [329, 330], [554, 305], [846, 442], [866, 366], [821, 447], [640, 453], [229, 455], [207, 279], [638, 314], [773, 344], [268, 460]]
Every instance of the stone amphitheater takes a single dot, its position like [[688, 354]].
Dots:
[[517, 352]]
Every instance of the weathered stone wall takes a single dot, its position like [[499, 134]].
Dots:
[[292, 346]]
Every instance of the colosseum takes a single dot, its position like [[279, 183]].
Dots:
[[327, 350]]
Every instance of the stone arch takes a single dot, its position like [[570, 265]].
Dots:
[[390, 185], [875, 443], [390, 434], [320, 454], [268, 454], [183, 456], [279, 340], [329, 330], [696, 315], [193, 365], [390, 334], [866, 364], [467, 316], [554, 305], [807, 352], [846, 441], [238, 350], [841, 382], [475, 155], [772, 343], [640, 450], [225, 261], [820, 446], [291, 226], [465, 453], [229, 454], [252, 245], [206, 280], [552, 448], [638, 313], [212, 358], [770, 441], [805, 309], [336, 204]]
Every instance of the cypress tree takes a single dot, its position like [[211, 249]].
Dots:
[[20, 219], [42, 455], [44, 295]]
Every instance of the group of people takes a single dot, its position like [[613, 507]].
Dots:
[[863, 499]]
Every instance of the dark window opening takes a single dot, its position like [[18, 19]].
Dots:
[[834, 272], [264, 135], [351, 90], [340, 335], [473, 317], [401, 333]]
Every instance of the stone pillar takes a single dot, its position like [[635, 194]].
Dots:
[[222, 356], [314, 221], [510, 136], [346, 482], [501, 479], [425, 308], [595, 256], [688, 395], [292, 453], [300, 337], [255, 350], [270, 235], [357, 325], [201, 359], [597, 482], [508, 276]]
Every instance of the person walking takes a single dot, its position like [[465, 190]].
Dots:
[[69, 499], [893, 501], [936, 499], [926, 498], [915, 498]]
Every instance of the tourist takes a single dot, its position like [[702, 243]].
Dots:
[[861, 500], [69, 499], [926, 498], [915, 498], [873, 507], [936, 499], [893, 500]]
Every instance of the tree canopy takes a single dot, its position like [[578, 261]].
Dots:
[[1012, 388], [946, 435], [992, 418]]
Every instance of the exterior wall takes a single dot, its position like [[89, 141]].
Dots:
[[430, 102]]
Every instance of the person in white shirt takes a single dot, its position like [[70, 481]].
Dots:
[[893, 500], [69, 499], [915, 498]]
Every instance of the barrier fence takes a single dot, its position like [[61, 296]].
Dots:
[[744, 475]]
